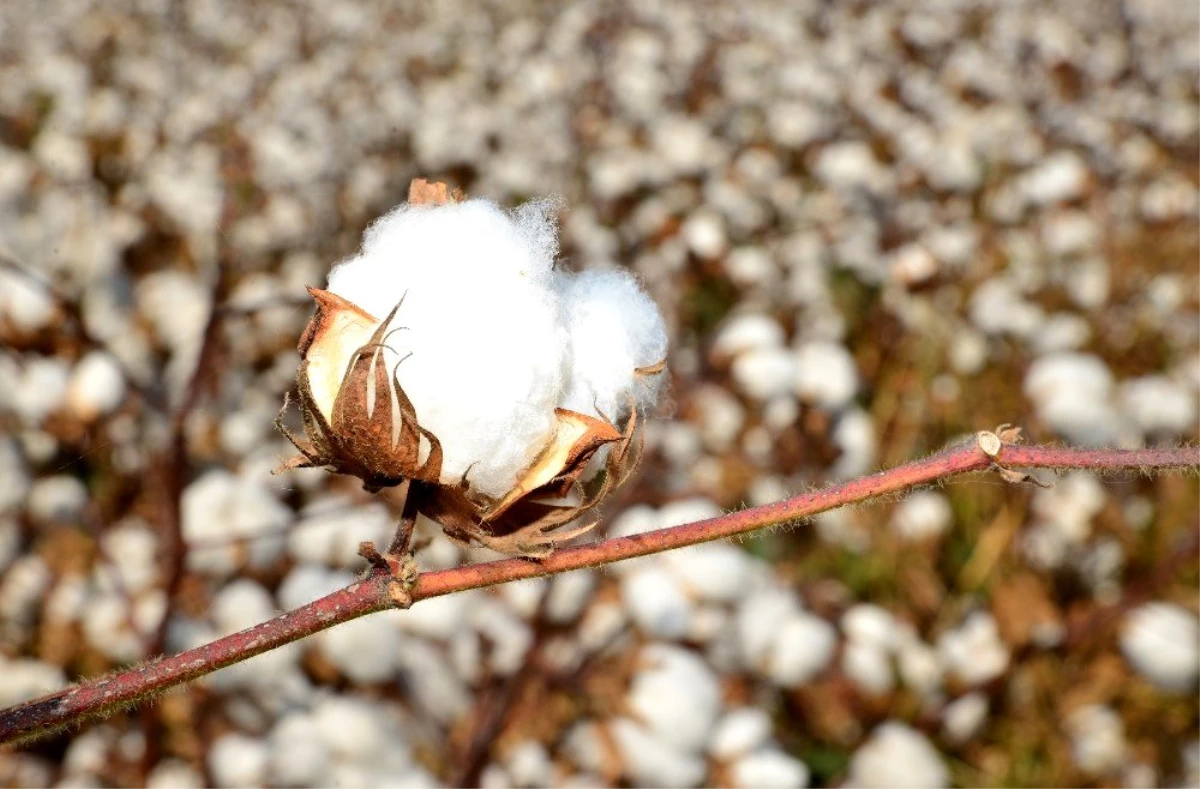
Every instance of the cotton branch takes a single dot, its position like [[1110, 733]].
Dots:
[[377, 590]]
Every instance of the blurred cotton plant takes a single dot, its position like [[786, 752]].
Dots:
[[453, 353]]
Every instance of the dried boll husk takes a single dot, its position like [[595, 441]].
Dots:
[[363, 424]]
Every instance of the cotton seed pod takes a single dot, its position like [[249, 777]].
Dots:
[[359, 421]]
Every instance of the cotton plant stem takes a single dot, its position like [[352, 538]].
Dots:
[[99, 697]]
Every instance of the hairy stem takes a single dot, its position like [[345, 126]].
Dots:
[[94, 698]]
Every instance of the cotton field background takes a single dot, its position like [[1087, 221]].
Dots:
[[872, 229]]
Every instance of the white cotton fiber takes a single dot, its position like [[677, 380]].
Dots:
[[614, 328], [491, 339], [481, 324]]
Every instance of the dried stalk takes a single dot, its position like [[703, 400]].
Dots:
[[42, 717]]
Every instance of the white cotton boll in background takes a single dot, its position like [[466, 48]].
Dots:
[[803, 647], [739, 732], [25, 304], [855, 437], [174, 774], [97, 386], [656, 601], [716, 572], [362, 649], [530, 765], [1097, 734], [57, 499], [758, 618], [974, 650], [221, 510], [765, 372], [744, 332], [241, 604], [868, 667], [299, 755], [482, 325], [509, 636], [331, 530], [963, 717], [651, 762], [238, 760], [524, 596], [826, 375], [896, 755], [769, 768], [677, 696], [22, 679], [1162, 641], [569, 593], [614, 327], [871, 625], [39, 389], [1158, 405], [922, 516], [439, 617], [437, 691], [357, 730], [1071, 392]]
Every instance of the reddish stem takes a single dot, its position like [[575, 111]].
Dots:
[[44, 716]]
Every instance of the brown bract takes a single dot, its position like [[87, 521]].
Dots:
[[360, 422]]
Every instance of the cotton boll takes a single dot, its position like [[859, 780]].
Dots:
[[1098, 744], [174, 774], [221, 509], [237, 760], [656, 601], [802, 649], [716, 572], [332, 530], [1071, 392], [57, 499], [1162, 641], [357, 730], [974, 650], [1158, 405], [364, 650], [677, 697], [614, 328], [242, 604], [758, 618], [765, 372], [482, 339], [739, 732], [897, 755], [868, 667], [963, 717], [871, 625], [744, 332], [569, 593], [530, 765], [923, 515], [769, 769], [25, 305], [22, 679], [299, 755], [825, 374], [40, 389], [97, 386], [651, 762]]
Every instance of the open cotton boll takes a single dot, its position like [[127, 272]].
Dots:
[[478, 341], [614, 327]]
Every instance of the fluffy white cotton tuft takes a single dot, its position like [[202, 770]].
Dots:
[[614, 328], [482, 342], [491, 339]]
